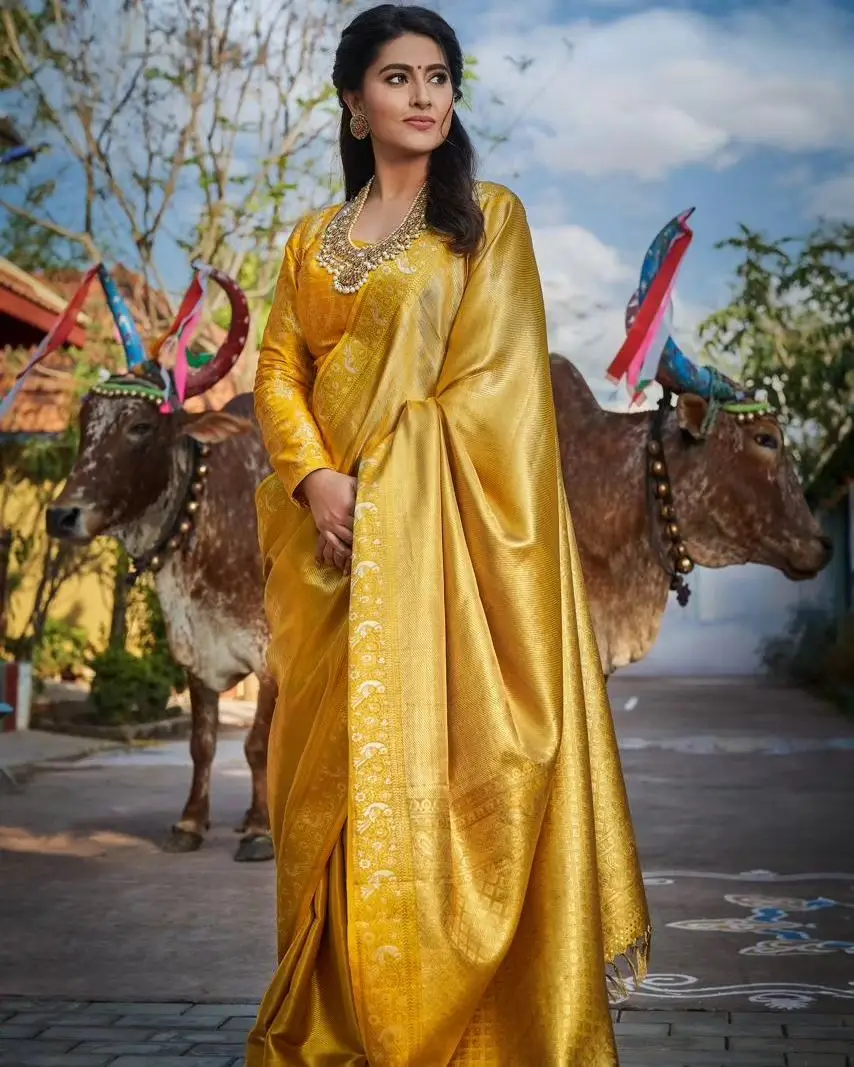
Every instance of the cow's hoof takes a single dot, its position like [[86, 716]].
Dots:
[[257, 849], [180, 841]]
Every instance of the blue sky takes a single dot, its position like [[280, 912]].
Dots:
[[631, 112]]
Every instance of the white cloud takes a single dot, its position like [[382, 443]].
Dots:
[[834, 198], [585, 286], [658, 89]]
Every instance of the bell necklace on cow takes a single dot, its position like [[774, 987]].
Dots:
[[180, 522], [679, 562], [350, 265]]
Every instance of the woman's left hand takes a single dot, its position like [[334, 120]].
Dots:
[[334, 557]]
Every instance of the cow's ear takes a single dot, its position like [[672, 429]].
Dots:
[[691, 412], [214, 427]]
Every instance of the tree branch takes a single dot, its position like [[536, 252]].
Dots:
[[80, 238]]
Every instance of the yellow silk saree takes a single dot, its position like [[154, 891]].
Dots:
[[456, 867]]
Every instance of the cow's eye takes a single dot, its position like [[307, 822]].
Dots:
[[138, 431], [766, 440]]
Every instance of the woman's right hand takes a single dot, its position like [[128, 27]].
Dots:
[[332, 499]]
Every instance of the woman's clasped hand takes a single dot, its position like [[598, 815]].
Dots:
[[332, 499]]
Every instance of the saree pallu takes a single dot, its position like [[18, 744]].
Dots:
[[457, 872]]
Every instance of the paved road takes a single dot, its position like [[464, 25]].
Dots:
[[741, 798], [145, 1034]]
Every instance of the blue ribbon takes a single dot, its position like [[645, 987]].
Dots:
[[15, 154], [675, 370]]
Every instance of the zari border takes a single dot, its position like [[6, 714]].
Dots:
[[381, 887]]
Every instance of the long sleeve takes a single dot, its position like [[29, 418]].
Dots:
[[283, 384]]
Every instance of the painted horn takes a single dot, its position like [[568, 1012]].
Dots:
[[679, 374], [230, 350], [676, 371], [131, 342]]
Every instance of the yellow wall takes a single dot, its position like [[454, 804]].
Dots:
[[84, 600]]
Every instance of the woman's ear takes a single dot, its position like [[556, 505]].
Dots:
[[353, 101]]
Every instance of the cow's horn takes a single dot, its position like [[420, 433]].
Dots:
[[229, 351], [131, 342], [679, 374]]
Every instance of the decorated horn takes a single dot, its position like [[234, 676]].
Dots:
[[134, 351], [215, 369], [650, 352]]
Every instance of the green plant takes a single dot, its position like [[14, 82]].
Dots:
[[816, 652], [61, 651], [839, 663], [128, 688], [796, 656], [59, 654]]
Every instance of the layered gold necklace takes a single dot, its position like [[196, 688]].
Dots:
[[349, 265]]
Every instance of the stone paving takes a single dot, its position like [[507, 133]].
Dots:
[[116, 954], [41, 1033]]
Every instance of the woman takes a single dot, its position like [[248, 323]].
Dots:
[[456, 865]]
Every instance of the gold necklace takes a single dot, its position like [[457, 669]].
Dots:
[[350, 266]]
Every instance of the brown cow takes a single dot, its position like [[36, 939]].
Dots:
[[177, 490], [734, 491], [738, 501], [135, 469]]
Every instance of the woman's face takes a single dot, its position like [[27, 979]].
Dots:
[[407, 96]]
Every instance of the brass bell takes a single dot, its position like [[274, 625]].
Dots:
[[155, 563], [740, 417], [193, 506], [657, 467], [196, 488], [662, 489], [673, 530], [185, 526], [205, 450], [653, 447], [667, 511], [174, 542], [685, 565], [680, 548], [751, 416], [202, 470]]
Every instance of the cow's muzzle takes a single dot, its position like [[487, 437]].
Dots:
[[809, 564], [66, 523]]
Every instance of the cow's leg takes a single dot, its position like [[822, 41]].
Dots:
[[188, 834], [256, 845]]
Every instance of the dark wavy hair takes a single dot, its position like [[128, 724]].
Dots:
[[452, 206]]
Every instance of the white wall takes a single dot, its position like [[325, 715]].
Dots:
[[730, 612]]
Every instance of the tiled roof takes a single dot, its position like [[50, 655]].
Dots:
[[44, 403], [34, 289]]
